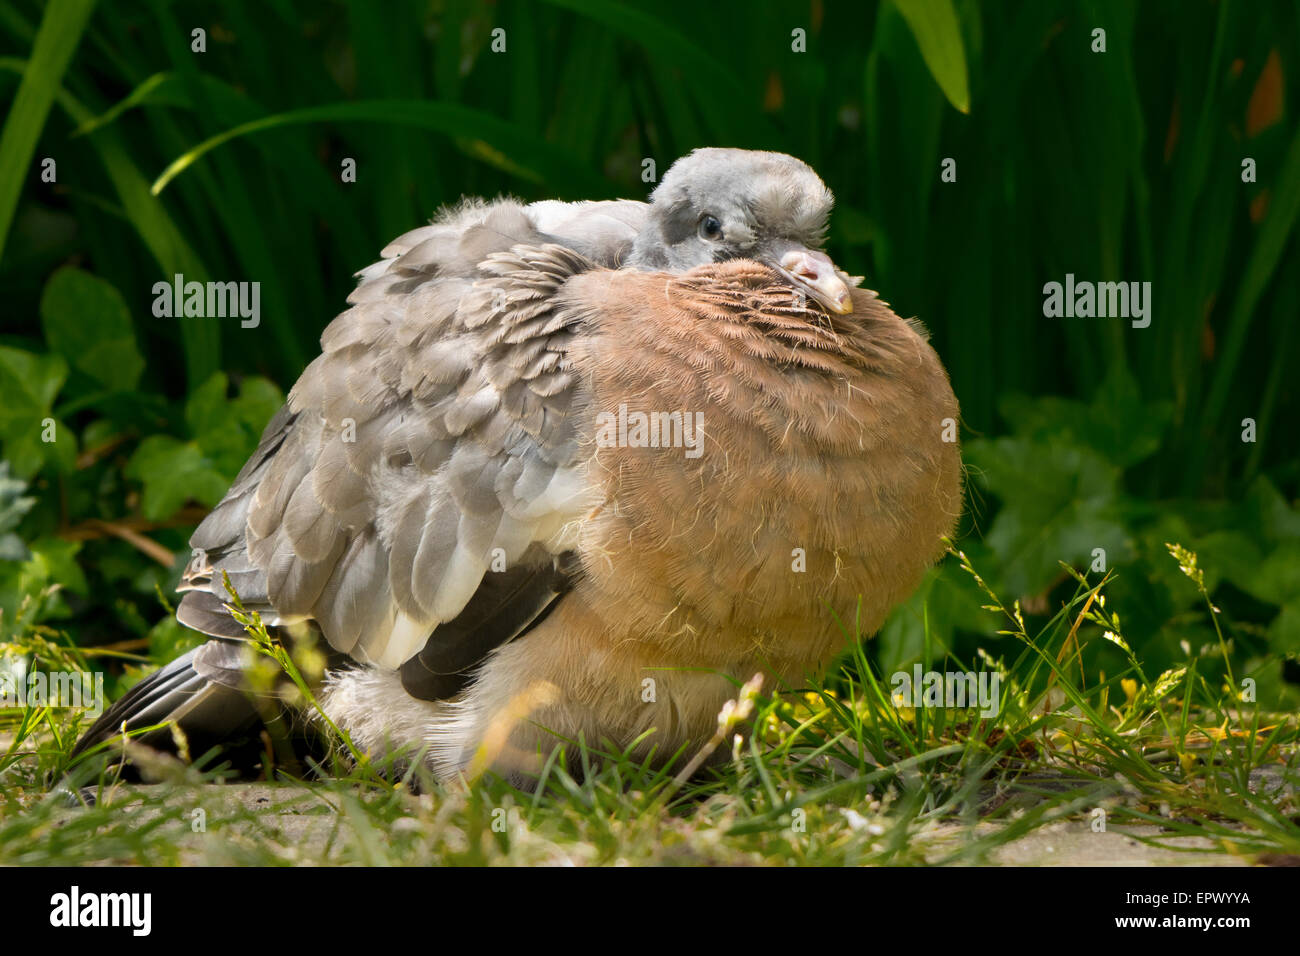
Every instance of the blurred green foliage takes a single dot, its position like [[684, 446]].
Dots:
[[1081, 434]]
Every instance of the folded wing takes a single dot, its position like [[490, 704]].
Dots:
[[421, 490]]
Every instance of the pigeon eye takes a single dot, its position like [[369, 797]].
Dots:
[[710, 228]]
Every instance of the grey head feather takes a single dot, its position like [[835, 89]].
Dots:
[[766, 203]]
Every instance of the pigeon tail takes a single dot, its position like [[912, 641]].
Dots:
[[189, 693]]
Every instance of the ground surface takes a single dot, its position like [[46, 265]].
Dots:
[[222, 824]]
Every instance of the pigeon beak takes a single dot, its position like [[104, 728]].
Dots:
[[814, 273]]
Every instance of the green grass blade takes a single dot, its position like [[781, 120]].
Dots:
[[480, 135], [57, 39], [1273, 235], [154, 227], [934, 24]]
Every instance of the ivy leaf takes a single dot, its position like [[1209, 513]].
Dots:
[[50, 561], [227, 430], [1277, 579], [54, 561], [86, 320], [1117, 424], [174, 472], [29, 384], [1059, 503], [1269, 516]]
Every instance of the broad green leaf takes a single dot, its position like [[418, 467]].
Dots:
[[28, 386], [1232, 554], [1059, 503], [1271, 517], [1150, 589], [13, 505], [154, 227], [174, 472], [227, 429], [1277, 579], [54, 561], [50, 561], [86, 320], [1118, 424], [169, 639], [1284, 633], [934, 24]]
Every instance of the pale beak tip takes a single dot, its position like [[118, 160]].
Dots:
[[815, 273], [844, 306]]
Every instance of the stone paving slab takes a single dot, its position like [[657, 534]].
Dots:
[[294, 816]]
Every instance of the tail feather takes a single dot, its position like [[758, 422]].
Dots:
[[203, 708]]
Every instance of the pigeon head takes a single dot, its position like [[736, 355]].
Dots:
[[719, 204]]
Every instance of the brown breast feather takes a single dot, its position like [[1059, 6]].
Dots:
[[820, 432]]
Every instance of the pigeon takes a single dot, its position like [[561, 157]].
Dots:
[[571, 472]]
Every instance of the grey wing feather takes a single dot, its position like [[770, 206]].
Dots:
[[601, 231], [506, 606], [181, 691], [438, 431]]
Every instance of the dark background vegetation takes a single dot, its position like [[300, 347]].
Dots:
[[1079, 433]]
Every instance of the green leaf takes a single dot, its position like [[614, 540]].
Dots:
[[947, 601], [161, 89], [1274, 234], [227, 430], [659, 37], [477, 133], [1233, 555], [169, 639], [51, 561], [1284, 632], [935, 26], [154, 227], [174, 472], [28, 386], [60, 32], [86, 320], [224, 431], [1117, 424], [13, 505], [54, 561], [1277, 579], [1059, 503]]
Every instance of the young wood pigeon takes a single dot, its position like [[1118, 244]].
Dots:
[[570, 470]]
